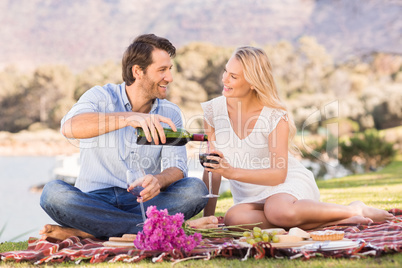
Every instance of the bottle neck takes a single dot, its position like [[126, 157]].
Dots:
[[199, 137]]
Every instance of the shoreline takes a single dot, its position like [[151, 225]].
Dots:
[[46, 142]]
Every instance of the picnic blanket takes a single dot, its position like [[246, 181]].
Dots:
[[373, 240]]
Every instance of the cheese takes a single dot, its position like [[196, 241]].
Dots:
[[299, 232]]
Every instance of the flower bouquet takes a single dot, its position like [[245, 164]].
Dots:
[[164, 232]]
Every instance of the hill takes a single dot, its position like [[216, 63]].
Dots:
[[83, 33]]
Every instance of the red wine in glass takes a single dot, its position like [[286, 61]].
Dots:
[[137, 190], [204, 159], [204, 153]]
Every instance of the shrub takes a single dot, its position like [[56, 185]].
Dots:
[[368, 148]]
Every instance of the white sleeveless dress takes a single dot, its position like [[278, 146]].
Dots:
[[252, 152]]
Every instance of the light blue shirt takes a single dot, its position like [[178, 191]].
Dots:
[[106, 158]]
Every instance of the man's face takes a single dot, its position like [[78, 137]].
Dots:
[[158, 75]]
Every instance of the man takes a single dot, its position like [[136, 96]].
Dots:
[[105, 121]]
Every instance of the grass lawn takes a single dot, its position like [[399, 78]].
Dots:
[[381, 189]]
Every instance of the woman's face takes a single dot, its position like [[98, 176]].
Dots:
[[234, 83]]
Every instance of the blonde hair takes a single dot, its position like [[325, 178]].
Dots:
[[257, 71]]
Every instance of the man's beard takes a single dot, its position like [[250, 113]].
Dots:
[[151, 89]]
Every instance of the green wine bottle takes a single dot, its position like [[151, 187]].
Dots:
[[178, 138]]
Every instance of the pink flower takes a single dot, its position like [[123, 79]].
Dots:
[[197, 238], [189, 244], [164, 232], [178, 219], [171, 230]]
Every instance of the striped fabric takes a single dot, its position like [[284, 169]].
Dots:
[[374, 240]]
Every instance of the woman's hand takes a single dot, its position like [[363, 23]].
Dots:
[[203, 223], [222, 167]]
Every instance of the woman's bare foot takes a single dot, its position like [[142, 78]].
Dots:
[[377, 215], [61, 233], [351, 220], [356, 220]]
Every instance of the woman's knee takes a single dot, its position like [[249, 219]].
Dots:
[[231, 217], [281, 216], [236, 215]]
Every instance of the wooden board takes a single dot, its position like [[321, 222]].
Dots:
[[288, 244], [292, 244], [300, 243], [120, 239], [125, 241], [119, 244]]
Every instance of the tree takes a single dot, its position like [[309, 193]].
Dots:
[[99, 75], [51, 85]]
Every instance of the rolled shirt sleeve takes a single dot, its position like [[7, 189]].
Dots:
[[105, 159]]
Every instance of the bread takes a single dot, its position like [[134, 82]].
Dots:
[[327, 235], [299, 232]]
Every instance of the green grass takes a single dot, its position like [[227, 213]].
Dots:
[[382, 189]]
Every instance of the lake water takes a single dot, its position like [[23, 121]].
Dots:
[[20, 211]]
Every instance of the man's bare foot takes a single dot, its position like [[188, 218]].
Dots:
[[377, 215], [204, 223], [61, 233]]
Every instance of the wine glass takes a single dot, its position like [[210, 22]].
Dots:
[[204, 153], [131, 176]]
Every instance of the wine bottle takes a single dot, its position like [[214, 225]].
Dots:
[[178, 138]]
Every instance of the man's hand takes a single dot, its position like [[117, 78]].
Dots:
[[151, 187], [151, 124]]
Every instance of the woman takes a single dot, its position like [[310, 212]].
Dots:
[[253, 135]]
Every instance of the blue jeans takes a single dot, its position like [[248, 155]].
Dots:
[[114, 211]]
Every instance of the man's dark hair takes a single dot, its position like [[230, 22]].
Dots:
[[140, 53]]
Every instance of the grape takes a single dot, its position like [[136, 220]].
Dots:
[[275, 239], [251, 241], [257, 234], [257, 229], [265, 237], [247, 234]]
